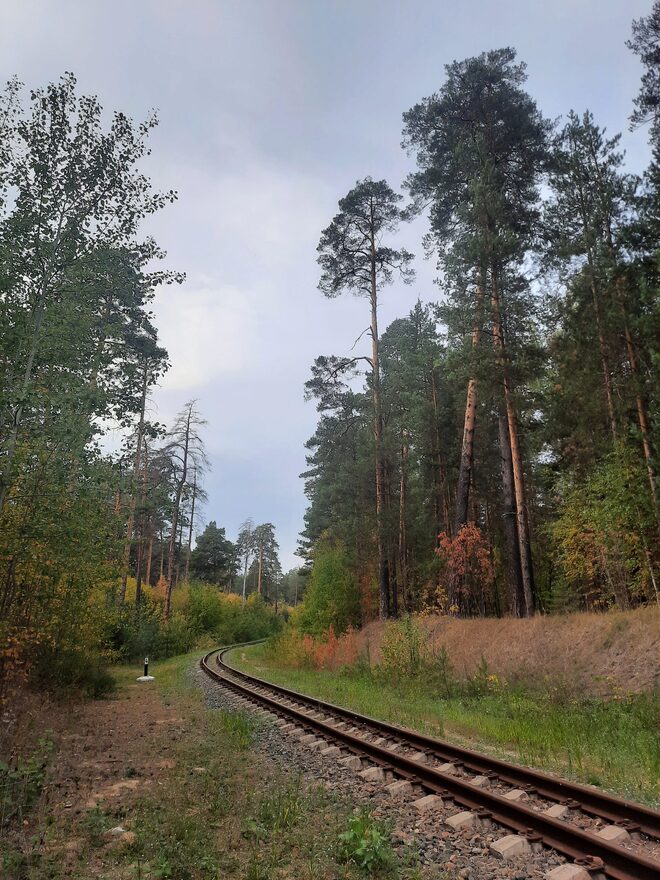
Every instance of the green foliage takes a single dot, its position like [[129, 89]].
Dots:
[[75, 325], [175, 636], [366, 843], [202, 612], [331, 599], [599, 534], [213, 559], [21, 782], [279, 809]]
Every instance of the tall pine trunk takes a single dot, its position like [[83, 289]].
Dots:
[[171, 551], [509, 520], [441, 500], [383, 568], [150, 550], [403, 539], [141, 534], [604, 356], [522, 519], [469, 423], [191, 526]]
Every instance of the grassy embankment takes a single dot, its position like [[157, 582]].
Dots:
[[614, 744], [193, 797]]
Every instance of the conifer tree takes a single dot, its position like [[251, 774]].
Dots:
[[354, 256], [480, 145]]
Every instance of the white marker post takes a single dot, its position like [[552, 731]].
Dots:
[[146, 676]]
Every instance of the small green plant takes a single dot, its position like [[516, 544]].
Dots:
[[21, 784], [366, 844], [279, 810], [95, 824], [443, 671], [401, 649], [478, 684]]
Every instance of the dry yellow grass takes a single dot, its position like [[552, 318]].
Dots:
[[600, 654]]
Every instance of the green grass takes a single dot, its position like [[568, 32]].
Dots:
[[171, 675], [613, 744]]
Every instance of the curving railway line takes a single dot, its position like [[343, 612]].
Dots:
[[485, 789]]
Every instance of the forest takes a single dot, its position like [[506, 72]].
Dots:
[[493, 454]]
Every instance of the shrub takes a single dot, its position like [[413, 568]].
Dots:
[[401, 649], [202, 614], [469, 570], [331, 599], [176, 636], [602, 535]]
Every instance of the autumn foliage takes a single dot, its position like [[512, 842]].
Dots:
[[469, 572]]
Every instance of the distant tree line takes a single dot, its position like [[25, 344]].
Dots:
[[501, 454]]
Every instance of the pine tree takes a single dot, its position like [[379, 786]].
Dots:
[[353, 257]]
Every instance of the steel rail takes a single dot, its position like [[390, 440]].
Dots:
[[617, 863], [590, 800]]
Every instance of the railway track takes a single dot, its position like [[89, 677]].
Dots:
[[468, 779]]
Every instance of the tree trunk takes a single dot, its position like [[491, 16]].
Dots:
[[440, 499], [469, 423], [143, 501], [191, 527], [403, 542], [510, 524], [245, 569], [604, 358], [136, 469], [26, 381], [524, 540], [138, 577], [260, 569], [383, 568], [175, 518], [150, 550]]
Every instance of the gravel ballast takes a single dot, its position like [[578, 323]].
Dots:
[[462, 854]]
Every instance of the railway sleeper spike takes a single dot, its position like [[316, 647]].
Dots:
[[592, 864]]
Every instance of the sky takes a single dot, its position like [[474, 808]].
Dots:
[[270, 110]]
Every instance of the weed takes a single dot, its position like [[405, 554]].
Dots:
[[366, 844], [239, 726], [21, 784], [279, 809], [95, 823]]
